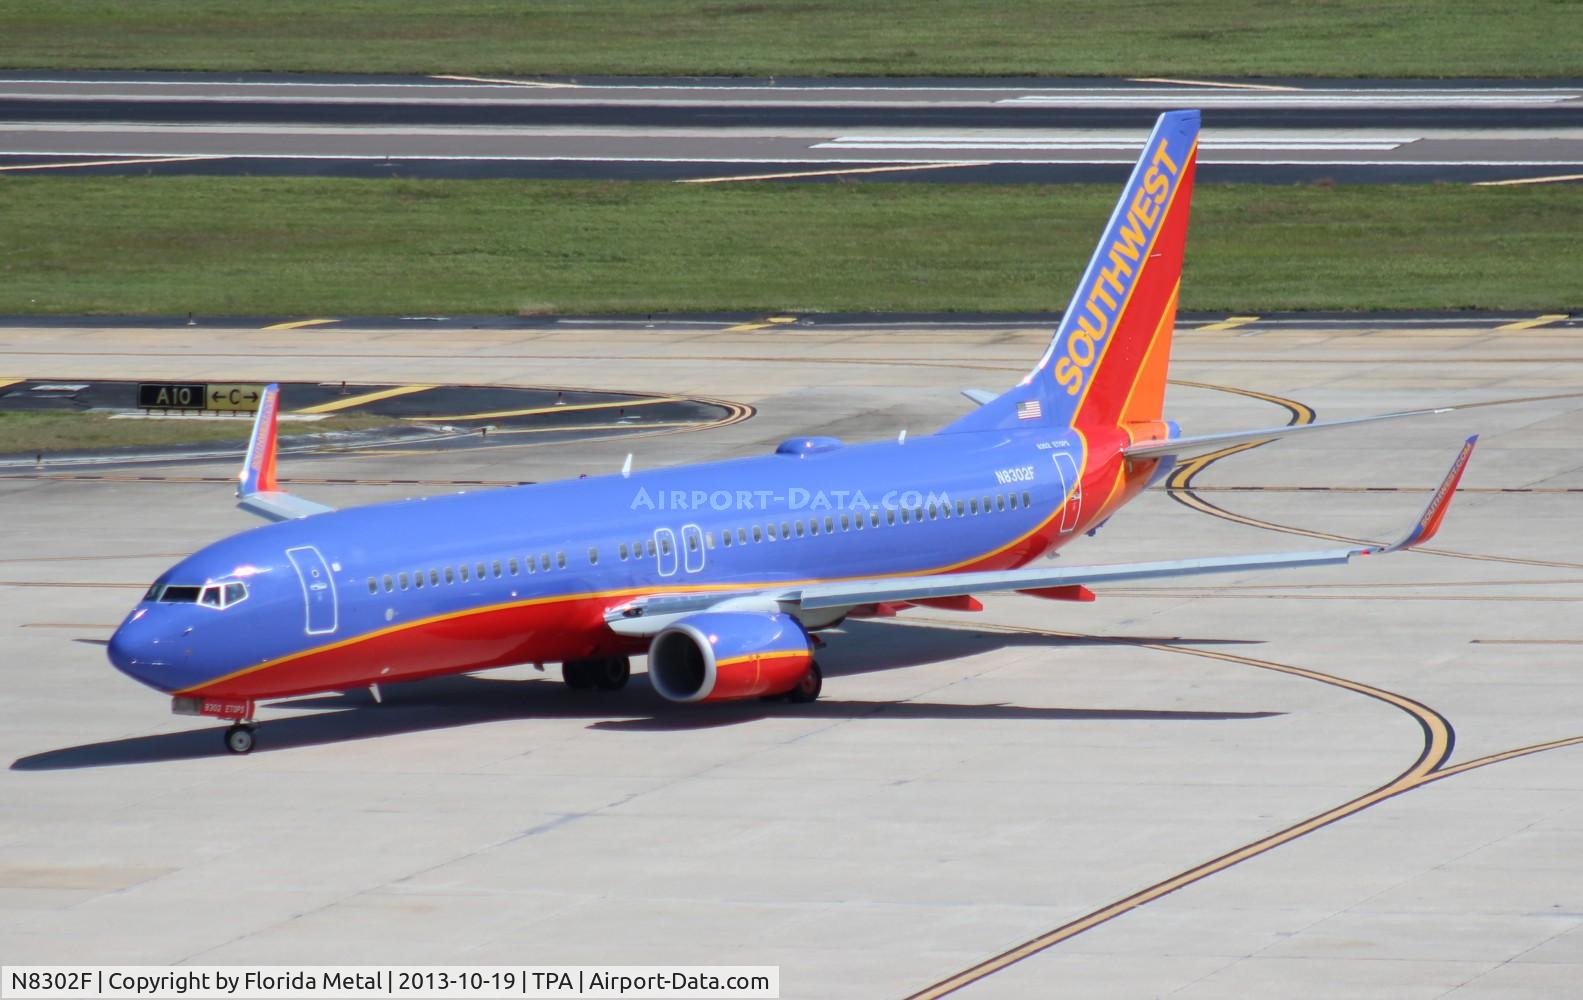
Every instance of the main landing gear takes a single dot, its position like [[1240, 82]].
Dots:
[[239, 738], [807, 689], [608, 673]]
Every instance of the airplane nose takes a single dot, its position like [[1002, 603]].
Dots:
[[146, 652]]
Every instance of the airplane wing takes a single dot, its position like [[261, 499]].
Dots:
[[1190, 447], [257, 491], [652, 615]]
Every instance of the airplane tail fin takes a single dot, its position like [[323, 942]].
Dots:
[[1106, 365]]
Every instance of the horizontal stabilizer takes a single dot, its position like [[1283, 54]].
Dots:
[[1190, 447]]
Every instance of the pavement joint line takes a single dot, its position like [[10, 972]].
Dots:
[[1230, 323], [1529, 324], [368, 397], [123, 161], [1555, 179], [833, 173], [298, 324]]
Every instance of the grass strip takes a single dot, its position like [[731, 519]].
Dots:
[[1450, 38], [51, 431], [312, 246]]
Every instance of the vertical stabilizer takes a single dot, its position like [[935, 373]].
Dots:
[[1107, 362]]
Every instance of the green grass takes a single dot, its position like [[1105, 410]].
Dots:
[[52, 431], [300, 246], [804, 37]]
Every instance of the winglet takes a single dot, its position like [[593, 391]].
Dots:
[[258, 470], [1429, 523]]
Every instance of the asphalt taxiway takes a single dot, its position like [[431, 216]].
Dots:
[[1032, 130], [1361, 780]]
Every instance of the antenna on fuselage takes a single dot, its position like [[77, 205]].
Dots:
[[626, 467], [902, 437]]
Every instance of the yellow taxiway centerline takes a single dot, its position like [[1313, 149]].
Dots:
[[298, 324], [1231, 323], [834, 173], [504, 414], [349, 402], [1529, 324], [67, 165]]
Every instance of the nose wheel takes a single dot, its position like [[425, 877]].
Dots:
[[239, 738]]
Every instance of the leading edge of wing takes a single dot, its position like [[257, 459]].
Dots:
[[858, 592], [1201, 444]]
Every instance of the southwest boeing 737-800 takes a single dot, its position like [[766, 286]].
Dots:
[[720, 571]]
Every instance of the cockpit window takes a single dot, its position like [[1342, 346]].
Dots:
[[211, 595]]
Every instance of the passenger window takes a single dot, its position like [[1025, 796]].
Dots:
[[988, 507], [709, 539], [758, 536], [390, 584], [829, 525], [1000, 502], [785, 529], [873, 519], [651, 548], [1011, 500], [417, 580], [560, 560], [404, 581], [799, 528], [434, 578], [462, 572], [769, 530], [961, 508], [665, 545], [529, 564], [846, 523], [890, 516], [934, 512], [692, 543], [1027, 499], [373, 587], [813, 526], [593, 555], [496, 568], [621, 551], [725, 536], [512, 565], [904, 518], [481, 572], [973, 505], [742, 536], [450, 575]]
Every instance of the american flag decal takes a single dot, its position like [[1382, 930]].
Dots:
[[1029, 410]]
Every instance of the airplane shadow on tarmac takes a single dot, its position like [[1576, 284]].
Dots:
[[465, 700]]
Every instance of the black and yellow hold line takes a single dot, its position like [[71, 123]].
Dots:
[[1439, 739]]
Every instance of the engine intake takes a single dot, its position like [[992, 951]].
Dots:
[[726, 655]]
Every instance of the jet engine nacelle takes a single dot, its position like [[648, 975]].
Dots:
[[724, 655]]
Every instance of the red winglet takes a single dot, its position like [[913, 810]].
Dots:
[[1429, 523], [258, 470]]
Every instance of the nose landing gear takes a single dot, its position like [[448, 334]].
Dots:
[[239, 738]]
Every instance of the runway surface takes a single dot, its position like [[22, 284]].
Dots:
[[1034, 131], [1360, 780]]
